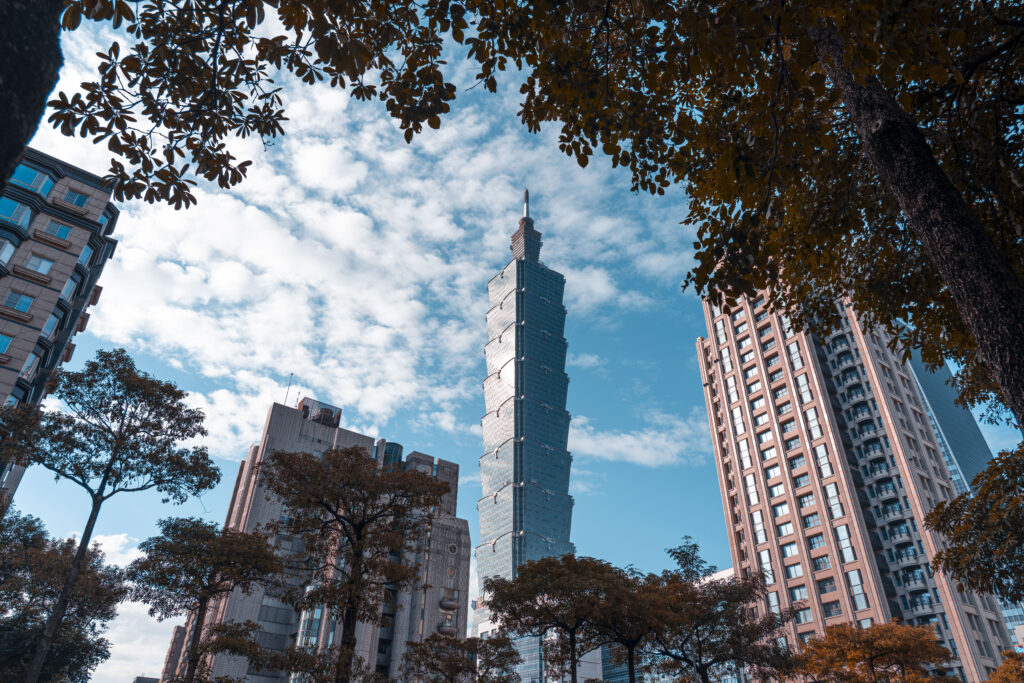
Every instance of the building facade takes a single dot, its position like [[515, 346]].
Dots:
[[55, 227], [526, 511], [963, 448], [436, 603], [827, 465]]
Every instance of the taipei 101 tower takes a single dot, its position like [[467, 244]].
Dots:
[[526, 510]]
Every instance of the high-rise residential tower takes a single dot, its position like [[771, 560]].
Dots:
[[963, 448], [828, 464], [437, 602], [55, 226], [526, 510]]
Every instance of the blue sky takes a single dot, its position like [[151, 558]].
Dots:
[[359, 263]]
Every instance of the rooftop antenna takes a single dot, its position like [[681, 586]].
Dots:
[[286, 391], [526, 203]]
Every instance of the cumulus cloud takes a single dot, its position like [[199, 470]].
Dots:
[[138, 645], [119, 549], [665, 440], [584, 360]]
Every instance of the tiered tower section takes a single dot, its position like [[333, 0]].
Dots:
[[526, 510]]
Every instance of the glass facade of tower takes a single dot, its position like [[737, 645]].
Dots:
[[525, 512]]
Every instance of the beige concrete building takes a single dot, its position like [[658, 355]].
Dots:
[[55, 226], [828, 464], [438, 603]]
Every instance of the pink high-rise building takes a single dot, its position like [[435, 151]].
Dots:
[[828, 464]]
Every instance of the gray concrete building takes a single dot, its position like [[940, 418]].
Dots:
[[55, 226], [437, 603]]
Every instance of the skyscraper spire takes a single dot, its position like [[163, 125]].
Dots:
[[526, 241]]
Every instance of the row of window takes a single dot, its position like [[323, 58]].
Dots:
[[41, 183], [39, 263], [22, 302]]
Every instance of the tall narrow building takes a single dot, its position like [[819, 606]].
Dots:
[[436, 603], [55, 226], [526, 510], [828, 465]]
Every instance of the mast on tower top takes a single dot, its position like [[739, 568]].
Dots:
[[526, 203]]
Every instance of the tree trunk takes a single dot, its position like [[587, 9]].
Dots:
[[983, 285], [53, 622], [30, 36], [349, 619], [193, 646], [572, 656], [631, 664]]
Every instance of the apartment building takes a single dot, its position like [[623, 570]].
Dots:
[[828, 465], [55, 226]]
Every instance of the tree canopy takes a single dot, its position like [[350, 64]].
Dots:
[[448, 659], [32, 567], [1011, 670], [562, 596], [120, 431], [985, 530], [358, 524], [881, 653], [191, 565]]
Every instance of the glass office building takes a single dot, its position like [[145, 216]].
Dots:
[[526, 510]]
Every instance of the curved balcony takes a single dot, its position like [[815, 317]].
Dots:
[[447, 630], [915, 582], [449, 605], [877, 472], [907, 560]]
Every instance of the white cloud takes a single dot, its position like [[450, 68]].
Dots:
[[119, 549], [584, 360], [666, 440], [138, 645]]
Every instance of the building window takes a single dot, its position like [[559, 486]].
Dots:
[[773, 602], [757, 404], [784, 529], [29, 368], [832, 609], [39, 264], [766, 566], [816, 541], [775, 376], [784, 409], [15, 212], [772, 472], [821, 563], [730, 387], [57, 230], [754, 387], [741, 328], [772, 361], [834, 506], [747, 357], [69, 288], [720, 331], [796, 462], [812, 520], [780, 392], [751, 485], [5, 343], [768, 453], [18, 301], [51, 325], [768, 345], [737, 420], [793, 444], [726, 360], [806, 501], [34, 180], [794, 571], [760, 534], [776, 490], [797, 593], [846, 551], [813, 426], [761, 420], [750, 372], [803, 616], [788, 426], [821, 453], [76, 198], [86, 255], [788, 550], [744, 343], [827, 586], [860, 600], [6, 251], [780, 509], [744, 450], [795, 359]]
